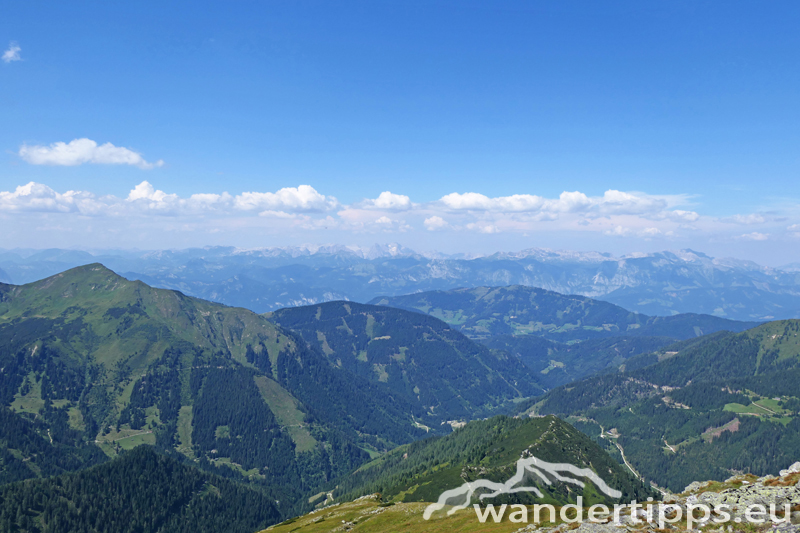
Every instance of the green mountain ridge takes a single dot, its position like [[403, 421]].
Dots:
[[121, 364], [558, 363], [490, 449], [519, 310], [701, 409], [417, 356]]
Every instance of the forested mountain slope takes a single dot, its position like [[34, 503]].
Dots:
[[416, 355], [700, 409], [139, 491], [490, 449], [557, 363], [90, 356], [519, 310]]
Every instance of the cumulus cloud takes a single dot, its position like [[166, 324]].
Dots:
[[302, 199], [144, 198], [612, 202], [37, 197], [80, 151], [388, 201], [682, 216], [614, 214], [12, 53], [435, 223], [794, 228], [473, 201]]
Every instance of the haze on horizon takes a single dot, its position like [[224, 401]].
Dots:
[[459, 127]]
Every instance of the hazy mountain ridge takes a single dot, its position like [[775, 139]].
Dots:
[[661, 283], [484, 312]]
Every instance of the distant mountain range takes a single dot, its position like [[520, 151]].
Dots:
[[658, 284]]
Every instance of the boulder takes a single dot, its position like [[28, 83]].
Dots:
[[791, 470]]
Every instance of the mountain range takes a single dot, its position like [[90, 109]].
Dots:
[[483, 312], [418, 357], [90, 357], [699, 409], [301, 407], [661, 284]]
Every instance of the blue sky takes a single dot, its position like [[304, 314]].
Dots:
[[688, 112]]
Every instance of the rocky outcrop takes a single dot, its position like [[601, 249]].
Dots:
[[738, 494]]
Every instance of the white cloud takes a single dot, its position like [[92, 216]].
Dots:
[[144, 198], [80, 151], [277, 214], [755, 236], [473, 201], [612, 202], [753, 218], [145, 191], [482, 227], [435, 223], [631, 215], [388, 201], [12, 54], [617, 231], [302, 199], [37, 197], [646, 233], [682, 216]]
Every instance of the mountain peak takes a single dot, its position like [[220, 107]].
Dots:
[[95, 274]]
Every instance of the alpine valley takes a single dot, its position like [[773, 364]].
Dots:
[[129, 408]]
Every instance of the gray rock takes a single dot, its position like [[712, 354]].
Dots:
[[791, 470]]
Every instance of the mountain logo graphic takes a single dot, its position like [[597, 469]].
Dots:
[[461, 497]]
